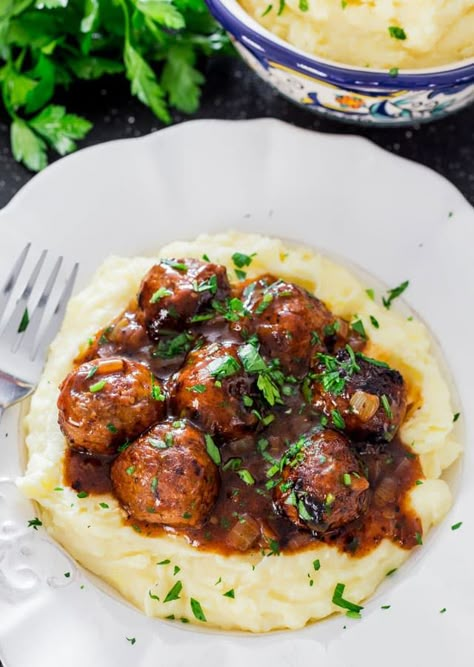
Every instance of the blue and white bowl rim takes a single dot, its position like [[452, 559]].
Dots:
[[259, 40]]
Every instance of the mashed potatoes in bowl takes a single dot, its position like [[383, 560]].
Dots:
[[380, 35], [282, 584]]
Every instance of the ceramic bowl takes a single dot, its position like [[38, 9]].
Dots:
[[364, 96]]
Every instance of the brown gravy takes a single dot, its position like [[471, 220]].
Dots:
[[242, 508]]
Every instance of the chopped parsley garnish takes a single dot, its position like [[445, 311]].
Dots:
[[156, 393], [197, 610], [269, 389], [370, 360], [274, 547], [233, 464], [329, 500], [396, 32], [203, 317], [154, 484], [264, 303], [110, 427], [393, 71], [455, 526], [337, 419], [229, 594], [385, 606], [157, 443], [443, 610], [332, 329], [223, 367], [418, 538], [358, 327], [176, 569], [251, 359], [394, 294], [316, 564], [82, 494], [179, 266], [333, 378], [209, 285], [240, 260], [315, 338], [456, 416], [170, 347], [241, 275], [303, 5], [104, 506], [164, 562], [124, 446], [247, 401], [92, 372], [386, 406], [152, 596], [173, 593], [132, 640], [206, 258], [98, 386], [25, 320], [267, 11], [374, 322], [340, 601], [197, 388], [419, 482], [34, 523], [347, 479], [246, 477], [281, 7], [212, 449], [159, 294], [303, 512], [370, 293], [390, 572], [130, 470]]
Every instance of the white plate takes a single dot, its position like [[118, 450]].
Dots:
[[395, 219]]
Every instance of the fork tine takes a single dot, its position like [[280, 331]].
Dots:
[[12, 278], [30, 334], [10, 333], [57, 316]]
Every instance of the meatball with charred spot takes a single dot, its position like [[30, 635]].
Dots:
[[105, 402], [362, 396], [291, 324], [167, 476], [323, 487], [175, 290], [210, 389]]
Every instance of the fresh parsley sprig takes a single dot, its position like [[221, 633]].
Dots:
[[46, 46]]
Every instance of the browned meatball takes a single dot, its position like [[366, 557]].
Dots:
[[210, 389], [105, 402], [176, 289], [322, 485], [167, 476], [290, 323], [364, 397]]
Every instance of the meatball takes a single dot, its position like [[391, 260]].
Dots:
[[360, 395], [290, 323], [167, 476], [210, 389], [322, 485], [176, 289], [105, 402]]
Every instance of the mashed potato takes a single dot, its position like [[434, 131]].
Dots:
[[269, 592], [358, 32]]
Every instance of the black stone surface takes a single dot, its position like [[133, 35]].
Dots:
[[232, 91]]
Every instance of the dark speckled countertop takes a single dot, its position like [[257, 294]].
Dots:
[[233, 92]]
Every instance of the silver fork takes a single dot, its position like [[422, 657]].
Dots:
[[23, 346]]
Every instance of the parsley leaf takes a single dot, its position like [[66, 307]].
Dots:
[[180, 79], [60, 129], [144, 83], [27, 147]]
